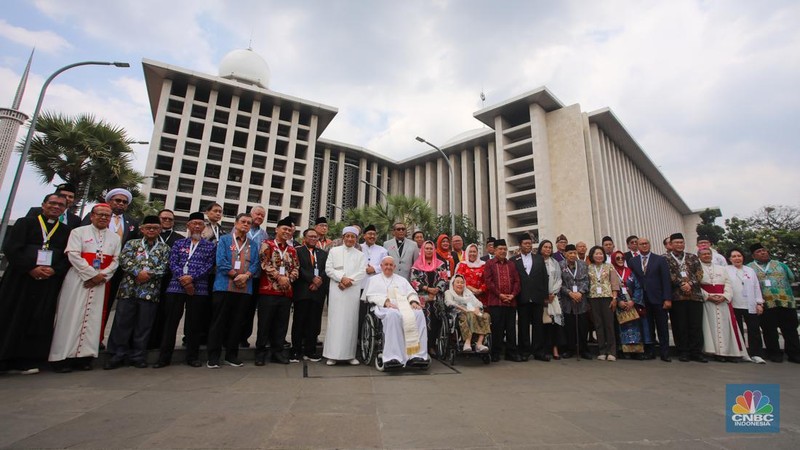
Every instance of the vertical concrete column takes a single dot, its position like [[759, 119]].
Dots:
[[324, 181], [481, 180], [466, 188], [308, 176], [542, 170], [340, 192]]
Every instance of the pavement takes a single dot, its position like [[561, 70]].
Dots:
[[557, 404]]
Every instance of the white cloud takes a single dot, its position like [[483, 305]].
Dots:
[[45, 41]]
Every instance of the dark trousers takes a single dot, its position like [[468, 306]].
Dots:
[[786, 320], [530, 315], [113, 287], [307, 319], [755, 347], [131, 330], [192, 325], [273, 323], [434, 321], [575, 331], [504, 324], [604, 325], [226, 324], [658, 319], [157, 331], [687, 327], [250, 313], [203, 316]]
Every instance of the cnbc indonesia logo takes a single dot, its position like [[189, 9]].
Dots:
[[754, 408]]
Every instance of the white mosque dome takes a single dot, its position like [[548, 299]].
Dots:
[[245, 65]]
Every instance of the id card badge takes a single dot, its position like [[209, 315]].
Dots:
[[574, 288], [683, 274], [186, 269], [237, 265], [599, 290], [768, 283], [625, 291], [44, 258], [282, 270], [96, 263], [316, 271]]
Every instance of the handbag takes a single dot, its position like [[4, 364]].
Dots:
[[546, 317], [627, 316]]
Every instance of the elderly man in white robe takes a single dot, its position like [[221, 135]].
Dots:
[[93, 251], [721, 337], [346, 268], [404, 328]]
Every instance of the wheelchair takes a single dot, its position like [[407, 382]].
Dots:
[[370, 343], [450, 342]]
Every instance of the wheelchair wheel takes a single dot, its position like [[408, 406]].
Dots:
[[379, 361], [369, 340], [443, 340]]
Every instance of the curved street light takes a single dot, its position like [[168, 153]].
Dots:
[[382, 192], [452, 187], [32, 129]]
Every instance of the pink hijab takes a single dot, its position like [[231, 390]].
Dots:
[[421, 264]]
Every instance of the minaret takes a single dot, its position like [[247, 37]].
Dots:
[[10, 121]]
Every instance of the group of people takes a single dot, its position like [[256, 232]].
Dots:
[[65, 273]]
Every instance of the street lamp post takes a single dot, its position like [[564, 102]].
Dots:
[[85, 196], [32, 129], [452, 187], [382, 192]]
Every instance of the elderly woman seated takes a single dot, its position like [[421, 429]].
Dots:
[[471, 318]]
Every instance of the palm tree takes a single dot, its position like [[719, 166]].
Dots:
[[93, 155]]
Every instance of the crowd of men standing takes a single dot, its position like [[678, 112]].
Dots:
[[65, 273]]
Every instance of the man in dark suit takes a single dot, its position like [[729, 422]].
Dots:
[[489, 249], [68, 218], [633, 248], [309, 294], [652, 272], [533, 294]]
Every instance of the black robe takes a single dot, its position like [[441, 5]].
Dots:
[[27, 305]]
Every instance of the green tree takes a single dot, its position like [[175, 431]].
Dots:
[[83, 151], [776, 227], [464, 228], [708, 227]]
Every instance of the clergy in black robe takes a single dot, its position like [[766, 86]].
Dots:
[[30, 286]]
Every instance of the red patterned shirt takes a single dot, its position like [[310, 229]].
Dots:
[[277, 260], [500, 277]]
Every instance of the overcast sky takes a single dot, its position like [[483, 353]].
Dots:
[[710, 89]]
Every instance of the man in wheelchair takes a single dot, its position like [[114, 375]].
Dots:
[[404, 326]]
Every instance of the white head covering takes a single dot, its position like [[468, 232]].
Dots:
[[350, 229], [119, 191]]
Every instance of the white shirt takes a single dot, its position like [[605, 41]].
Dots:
[[374, 254], [527, 262], [746, 288]]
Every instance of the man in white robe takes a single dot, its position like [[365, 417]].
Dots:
[[93, 251], [405, 334], [721, 336], [373, 252], [346, 268]]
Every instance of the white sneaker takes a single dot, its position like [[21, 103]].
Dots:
[[758, 360], [611, 358], [746, 358], [331, 362], [601, 357], [482, 349], [354, 362], [467, 347]]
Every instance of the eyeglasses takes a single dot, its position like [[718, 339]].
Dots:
[[102, 216], [59, 204], [119, 200], [400, 229], [618, 259], [150, 228], [167, 219]]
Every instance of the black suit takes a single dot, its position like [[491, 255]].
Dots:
[[73, 221], [308, 304], [629, 256], [533, 291], [657, 288]]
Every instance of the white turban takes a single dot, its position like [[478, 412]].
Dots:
[[353, 230], [119, 191]]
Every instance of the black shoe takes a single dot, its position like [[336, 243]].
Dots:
[[295, 358], [102, 346], [523, 358], [545, 358], [566, 355], [62, 369], [587, 355], [244, 344], [794, 360], [85, 367], [280, 358], [719, 358], [514, 357], [684, 358], [161, 364], [112, 364], [393, 363], [700, 359], [194, 363], [649, 356], [777, 359], [731, 359], [261, 360], [495, 358], [416, 362], [140, 365], [233, 362], [314, 357], [666, 359]]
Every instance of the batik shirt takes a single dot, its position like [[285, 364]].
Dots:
[[779, 277], [686, 268], [136, 256]]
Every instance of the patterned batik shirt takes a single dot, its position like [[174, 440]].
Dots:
[[136, 256], [776, 280]]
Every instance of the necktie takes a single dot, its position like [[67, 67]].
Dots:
[[118, 226], [644, 263], [313, 259], [400, 247]]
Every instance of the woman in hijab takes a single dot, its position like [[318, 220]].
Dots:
[[429, 279], [472, 271], [444, 253], [634, 333], [471, 318]]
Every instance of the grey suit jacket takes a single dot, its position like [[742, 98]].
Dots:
[[404, 262]]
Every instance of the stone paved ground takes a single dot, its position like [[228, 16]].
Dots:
[[566, 404]]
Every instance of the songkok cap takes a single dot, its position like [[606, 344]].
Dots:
[[151, 220], [350, 229], [674, 236], [561, 237], [286, 222], [490, 239], [607, 238], [119, 191], [703, 238], [320, 220], [521, 238], [500, 242], [197, 216], [755, 247], [69, 187], [570, 248], [370, 227], [101, 205]]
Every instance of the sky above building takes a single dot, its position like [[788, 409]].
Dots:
[[709, 89]]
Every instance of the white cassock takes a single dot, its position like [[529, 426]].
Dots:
[[720, 335], [405, 333], [374, 255], [343, 305], [79, 314]]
